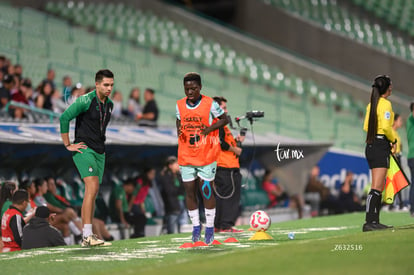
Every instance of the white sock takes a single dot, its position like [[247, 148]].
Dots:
[[87, 230], [210, 215], [68, 240], [194, 217], [74, 229]]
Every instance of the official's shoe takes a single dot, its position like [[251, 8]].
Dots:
[[91, 240], [231, 230], [196, 233], [374, 226], [209, 235]]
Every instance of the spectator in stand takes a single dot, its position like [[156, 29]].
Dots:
[[59, 106], [117, 100], [76, 92], [44, 98], [40, 233], [18, 70], [134, 105], [27, 90], [172, 190], [20, 97], [7, 190], [149, 114], [3, 64], [67, 88], [274, 190], [12, 222], [50, 77], [5, 90], [66, 220], [17, 81], [348, 200], [120, 211]]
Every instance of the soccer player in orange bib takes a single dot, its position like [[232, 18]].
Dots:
[[198, 148]]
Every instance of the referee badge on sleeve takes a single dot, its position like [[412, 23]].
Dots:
[[387, 115]]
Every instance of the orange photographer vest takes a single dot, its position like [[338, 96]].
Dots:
[[194, 148], [228, 159]]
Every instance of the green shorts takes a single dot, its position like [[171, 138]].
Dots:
[[89, 163], [190, 172]]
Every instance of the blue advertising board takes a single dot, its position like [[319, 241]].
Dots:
[[334, 165]]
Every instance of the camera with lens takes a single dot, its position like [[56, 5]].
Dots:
[[249, 116], [194, 138], [253, 114]]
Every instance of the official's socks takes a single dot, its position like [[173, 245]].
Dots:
[[373, 206]]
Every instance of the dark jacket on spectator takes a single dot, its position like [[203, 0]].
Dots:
[[171, 188], [39, 233]]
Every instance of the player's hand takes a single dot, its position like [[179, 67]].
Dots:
[[52, 217], [76, 147], [240, 138], [205, 130], [393, 147]]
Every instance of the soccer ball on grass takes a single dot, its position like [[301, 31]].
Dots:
[[260, 221]]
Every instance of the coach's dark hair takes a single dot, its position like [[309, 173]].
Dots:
[[103, 73], [20, 196], [219, 99], [379, 87], [192, 77], [412, 106]]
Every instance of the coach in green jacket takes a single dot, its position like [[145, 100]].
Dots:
[[92, 112]]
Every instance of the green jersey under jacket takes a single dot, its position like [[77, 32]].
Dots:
[[92, 117]]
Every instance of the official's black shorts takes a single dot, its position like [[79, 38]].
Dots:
[[378, 153]]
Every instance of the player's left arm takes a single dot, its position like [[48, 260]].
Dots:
[[219, 113], [223, 120]]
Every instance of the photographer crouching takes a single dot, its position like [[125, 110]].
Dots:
[[227, 184]]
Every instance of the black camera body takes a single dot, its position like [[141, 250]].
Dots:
[[243, 131], [253, 114]]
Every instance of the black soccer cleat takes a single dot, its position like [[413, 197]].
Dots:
[[374, 227]]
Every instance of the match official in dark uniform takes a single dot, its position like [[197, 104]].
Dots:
[[228, 178], [380, 140], [92, 112]]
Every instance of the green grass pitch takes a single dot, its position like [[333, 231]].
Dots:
[[323, 245]]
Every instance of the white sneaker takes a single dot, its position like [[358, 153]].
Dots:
[[91, 240]]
